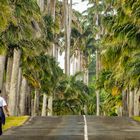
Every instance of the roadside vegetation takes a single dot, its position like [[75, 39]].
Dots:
[[101, 46], [136, 118], [14, 121]]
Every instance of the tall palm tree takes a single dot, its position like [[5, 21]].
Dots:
[[95, 11], [67, 25], [43, 71], [16, 36], [121, 39], [51, 11]]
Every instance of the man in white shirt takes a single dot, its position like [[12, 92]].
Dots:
[[3, 105]]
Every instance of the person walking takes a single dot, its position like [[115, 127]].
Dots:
[[3, 107]]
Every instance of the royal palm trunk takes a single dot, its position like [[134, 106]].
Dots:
[[131, 103], [124, 101], [41, 5], [136, 103], [44, 106], [23, 97], [97, 63], [97, 91], [51, 11], [8, 75], [19, 90], [14, 83], [50, 105], [36, 103], [67, 24], [2, 67]]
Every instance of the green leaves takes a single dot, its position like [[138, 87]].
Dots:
[[44, 69], [71, 95], [121, 43]]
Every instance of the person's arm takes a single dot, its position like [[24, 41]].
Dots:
[[6, 109]]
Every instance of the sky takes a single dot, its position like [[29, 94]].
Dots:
[[79, 5]]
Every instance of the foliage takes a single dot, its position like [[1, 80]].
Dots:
[[6, 11], [119, 51], [110, 103], [136, 118], [42, 72], [23, 25], [71, 96], [116, 36], [121, 44]]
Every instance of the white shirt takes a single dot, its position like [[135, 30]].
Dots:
[[2, 102]]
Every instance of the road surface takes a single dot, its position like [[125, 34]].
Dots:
[[75, 128]]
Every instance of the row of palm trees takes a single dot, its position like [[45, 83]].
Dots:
[[114, 29], [35, 32], [119, 49], [31, 35]]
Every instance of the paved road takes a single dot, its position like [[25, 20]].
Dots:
[[76, 128]]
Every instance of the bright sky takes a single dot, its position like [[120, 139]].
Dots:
[[79, 5]]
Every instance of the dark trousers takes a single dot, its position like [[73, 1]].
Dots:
[[0, 126], [2, 119]]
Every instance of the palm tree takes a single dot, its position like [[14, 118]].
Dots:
[[43, 71], [67, 25], [121, 39], [16, 36], [94, 19], [51, 12], [14, 82]]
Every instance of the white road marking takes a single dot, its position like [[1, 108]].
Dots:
[[85, 128]]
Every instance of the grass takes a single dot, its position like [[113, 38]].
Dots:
[[14, 121], [136, 118]]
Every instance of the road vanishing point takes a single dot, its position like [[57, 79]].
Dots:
[[75, 128]]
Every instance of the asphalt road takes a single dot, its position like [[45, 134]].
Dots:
[[75, 128]]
